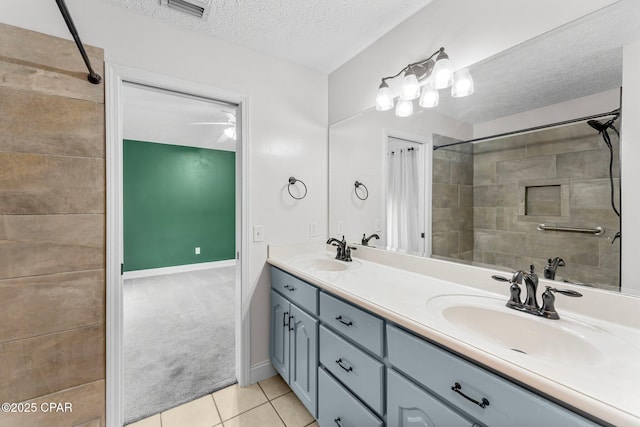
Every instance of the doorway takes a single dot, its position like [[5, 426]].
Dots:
[[119, 80], [179, 161]]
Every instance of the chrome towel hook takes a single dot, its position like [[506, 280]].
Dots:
[[292, 181], [357, 185]]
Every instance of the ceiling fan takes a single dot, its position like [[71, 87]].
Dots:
[[230, 129]]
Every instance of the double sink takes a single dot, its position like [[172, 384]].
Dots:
[[483, 320]]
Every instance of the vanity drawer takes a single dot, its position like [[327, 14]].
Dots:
[[361, 373], [338, 407], [440, 371], [303, 294], [363, 328]]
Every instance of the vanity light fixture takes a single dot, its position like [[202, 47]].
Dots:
[[462, 83], [432, 74]]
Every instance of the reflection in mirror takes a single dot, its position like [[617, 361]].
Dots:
[[405, 222], [536, 197], [560, 177]]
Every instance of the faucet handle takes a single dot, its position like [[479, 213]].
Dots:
[[548, 309], [567, 292], [347, 253], [514, 289]]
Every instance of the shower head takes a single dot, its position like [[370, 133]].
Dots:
[[599, 126]]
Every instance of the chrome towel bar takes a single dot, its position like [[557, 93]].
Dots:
[[596, 231]]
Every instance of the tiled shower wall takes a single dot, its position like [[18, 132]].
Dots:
[[452, 200], [52, 230], [573, 158]]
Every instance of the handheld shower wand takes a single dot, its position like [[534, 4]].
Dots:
[[602, 130]]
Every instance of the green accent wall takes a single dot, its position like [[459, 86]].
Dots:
[[176, 199]]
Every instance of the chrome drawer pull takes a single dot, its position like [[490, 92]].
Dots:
[[284, 319], [289, 288], [339, 362], [458, 389], [339, 319], [337, 421]]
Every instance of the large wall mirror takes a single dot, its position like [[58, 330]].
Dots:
[[548, 197]]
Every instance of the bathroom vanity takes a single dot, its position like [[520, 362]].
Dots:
[[378, 341]]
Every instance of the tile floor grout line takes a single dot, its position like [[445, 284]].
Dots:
[[277, 413], [215, 405]]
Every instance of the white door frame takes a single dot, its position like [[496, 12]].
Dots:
[[115, 75]]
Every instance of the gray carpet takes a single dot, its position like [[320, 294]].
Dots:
[[179, 339]]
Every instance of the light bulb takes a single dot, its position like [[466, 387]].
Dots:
[[384, 99], [230, 132], [404, 108], [410, 86], [430, 97], [462, 83], [442, 72]]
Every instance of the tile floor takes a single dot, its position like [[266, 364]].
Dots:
[[270, 403]]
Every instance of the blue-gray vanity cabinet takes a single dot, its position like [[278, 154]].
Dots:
[[482, 395], [303, 371], [295, 290], [339, 408], [279, 337], [360, 372], [410, 406], [361, 327], [293, 344]]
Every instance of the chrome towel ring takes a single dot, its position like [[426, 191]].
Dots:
[[293, 181], [357, 185]]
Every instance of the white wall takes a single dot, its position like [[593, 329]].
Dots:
[[629, 170], [288, 108], [357, 152], [469, 30]]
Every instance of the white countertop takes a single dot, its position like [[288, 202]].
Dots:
[[603, 383]]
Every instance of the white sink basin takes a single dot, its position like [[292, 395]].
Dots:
[[486, 321], [324, 265], [320, 263]]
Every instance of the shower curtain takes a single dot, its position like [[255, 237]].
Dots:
[[403, 234]]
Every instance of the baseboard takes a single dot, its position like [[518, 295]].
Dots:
[[177, 269], [261, 371]]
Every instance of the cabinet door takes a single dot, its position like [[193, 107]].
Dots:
[[410, 406], [279, 342], [304, 358]]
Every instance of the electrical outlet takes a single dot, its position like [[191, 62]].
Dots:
[[377, 225], [258, 233], [340, 228], [313, 229], [197, 251]]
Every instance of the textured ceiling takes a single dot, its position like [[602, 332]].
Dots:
[[318, 34], [579, 59]]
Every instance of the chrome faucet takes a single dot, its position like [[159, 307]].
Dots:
[[343, 252], [365, 240], [530, 305], [552, 266], [340, 244], [531, 285]]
